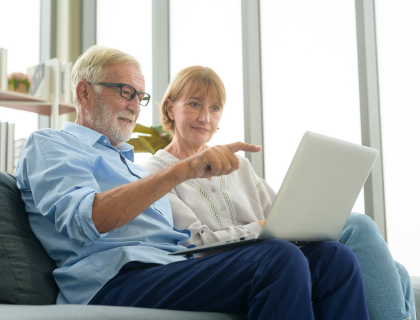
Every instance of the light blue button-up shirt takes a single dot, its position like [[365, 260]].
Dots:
[[58, 174]]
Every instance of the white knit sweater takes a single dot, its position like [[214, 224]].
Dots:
[[223, 208]]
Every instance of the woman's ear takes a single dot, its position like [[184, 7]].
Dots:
[[169, 109], [84, 94]]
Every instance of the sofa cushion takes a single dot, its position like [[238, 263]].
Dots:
[[25, 267]]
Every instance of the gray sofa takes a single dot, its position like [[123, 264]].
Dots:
[[28, 290]]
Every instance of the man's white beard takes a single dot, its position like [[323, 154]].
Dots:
[[103, 122]]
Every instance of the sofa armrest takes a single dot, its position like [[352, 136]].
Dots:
[[90, 312]]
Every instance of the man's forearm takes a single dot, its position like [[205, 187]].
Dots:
[[114, 208]]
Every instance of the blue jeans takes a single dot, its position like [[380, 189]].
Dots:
[[389, 294], [272, 279]]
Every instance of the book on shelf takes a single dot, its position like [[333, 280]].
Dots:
[[55, 78], [51, 80], [3, 69], [7, 147], [40, 76], [3, 145], [65, 93], [10, 156]]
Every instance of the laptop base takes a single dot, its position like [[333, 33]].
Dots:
[[229, 245]]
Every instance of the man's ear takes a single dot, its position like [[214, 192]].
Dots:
[[84, 93]]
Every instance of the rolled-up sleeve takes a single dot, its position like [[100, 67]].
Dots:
[[58, 182]]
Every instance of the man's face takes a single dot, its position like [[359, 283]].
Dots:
[[112, 115]]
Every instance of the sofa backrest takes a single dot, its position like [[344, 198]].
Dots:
[[25, 267]]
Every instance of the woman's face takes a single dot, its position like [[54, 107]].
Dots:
[[196, 117]]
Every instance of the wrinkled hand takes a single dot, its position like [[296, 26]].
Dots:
[[217, 160]]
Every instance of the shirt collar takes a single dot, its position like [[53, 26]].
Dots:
[[90, 137]]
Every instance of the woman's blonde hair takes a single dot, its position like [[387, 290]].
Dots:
[[91, 66], [192, 78]]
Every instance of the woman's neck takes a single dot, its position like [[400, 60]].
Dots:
[[183, 149]]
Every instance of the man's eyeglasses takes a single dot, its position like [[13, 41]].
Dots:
[[127, 92]]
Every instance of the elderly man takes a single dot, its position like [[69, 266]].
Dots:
[[108, 225]]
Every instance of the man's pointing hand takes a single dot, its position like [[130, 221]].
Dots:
[[217, 160]]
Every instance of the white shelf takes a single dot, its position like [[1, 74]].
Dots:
[[25, 102]]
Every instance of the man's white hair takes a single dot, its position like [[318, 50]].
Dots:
[[91, 66]]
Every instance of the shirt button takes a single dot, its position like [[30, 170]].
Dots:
[[105, 141], [213, 190], [223, 209]]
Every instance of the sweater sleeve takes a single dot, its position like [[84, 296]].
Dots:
[[185, 218]]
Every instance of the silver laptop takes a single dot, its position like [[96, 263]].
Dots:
[[317, 194]]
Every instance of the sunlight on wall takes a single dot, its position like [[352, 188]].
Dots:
[[310, 78], [398, 30]]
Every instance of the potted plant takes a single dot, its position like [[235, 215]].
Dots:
[[19, 82]]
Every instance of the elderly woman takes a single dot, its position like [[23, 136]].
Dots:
[[236, 205]]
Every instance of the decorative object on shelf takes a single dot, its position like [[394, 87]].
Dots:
[[45, 91], [40, 76], [151, 139], [19, 82]]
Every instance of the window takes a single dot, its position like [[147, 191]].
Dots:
[[19, 34], [128, 27], [398, 31], [309, 76], [208, 33]]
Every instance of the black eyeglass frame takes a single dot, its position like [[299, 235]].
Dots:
[[120, 85]]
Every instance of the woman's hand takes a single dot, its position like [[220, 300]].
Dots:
[[261, 223]]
